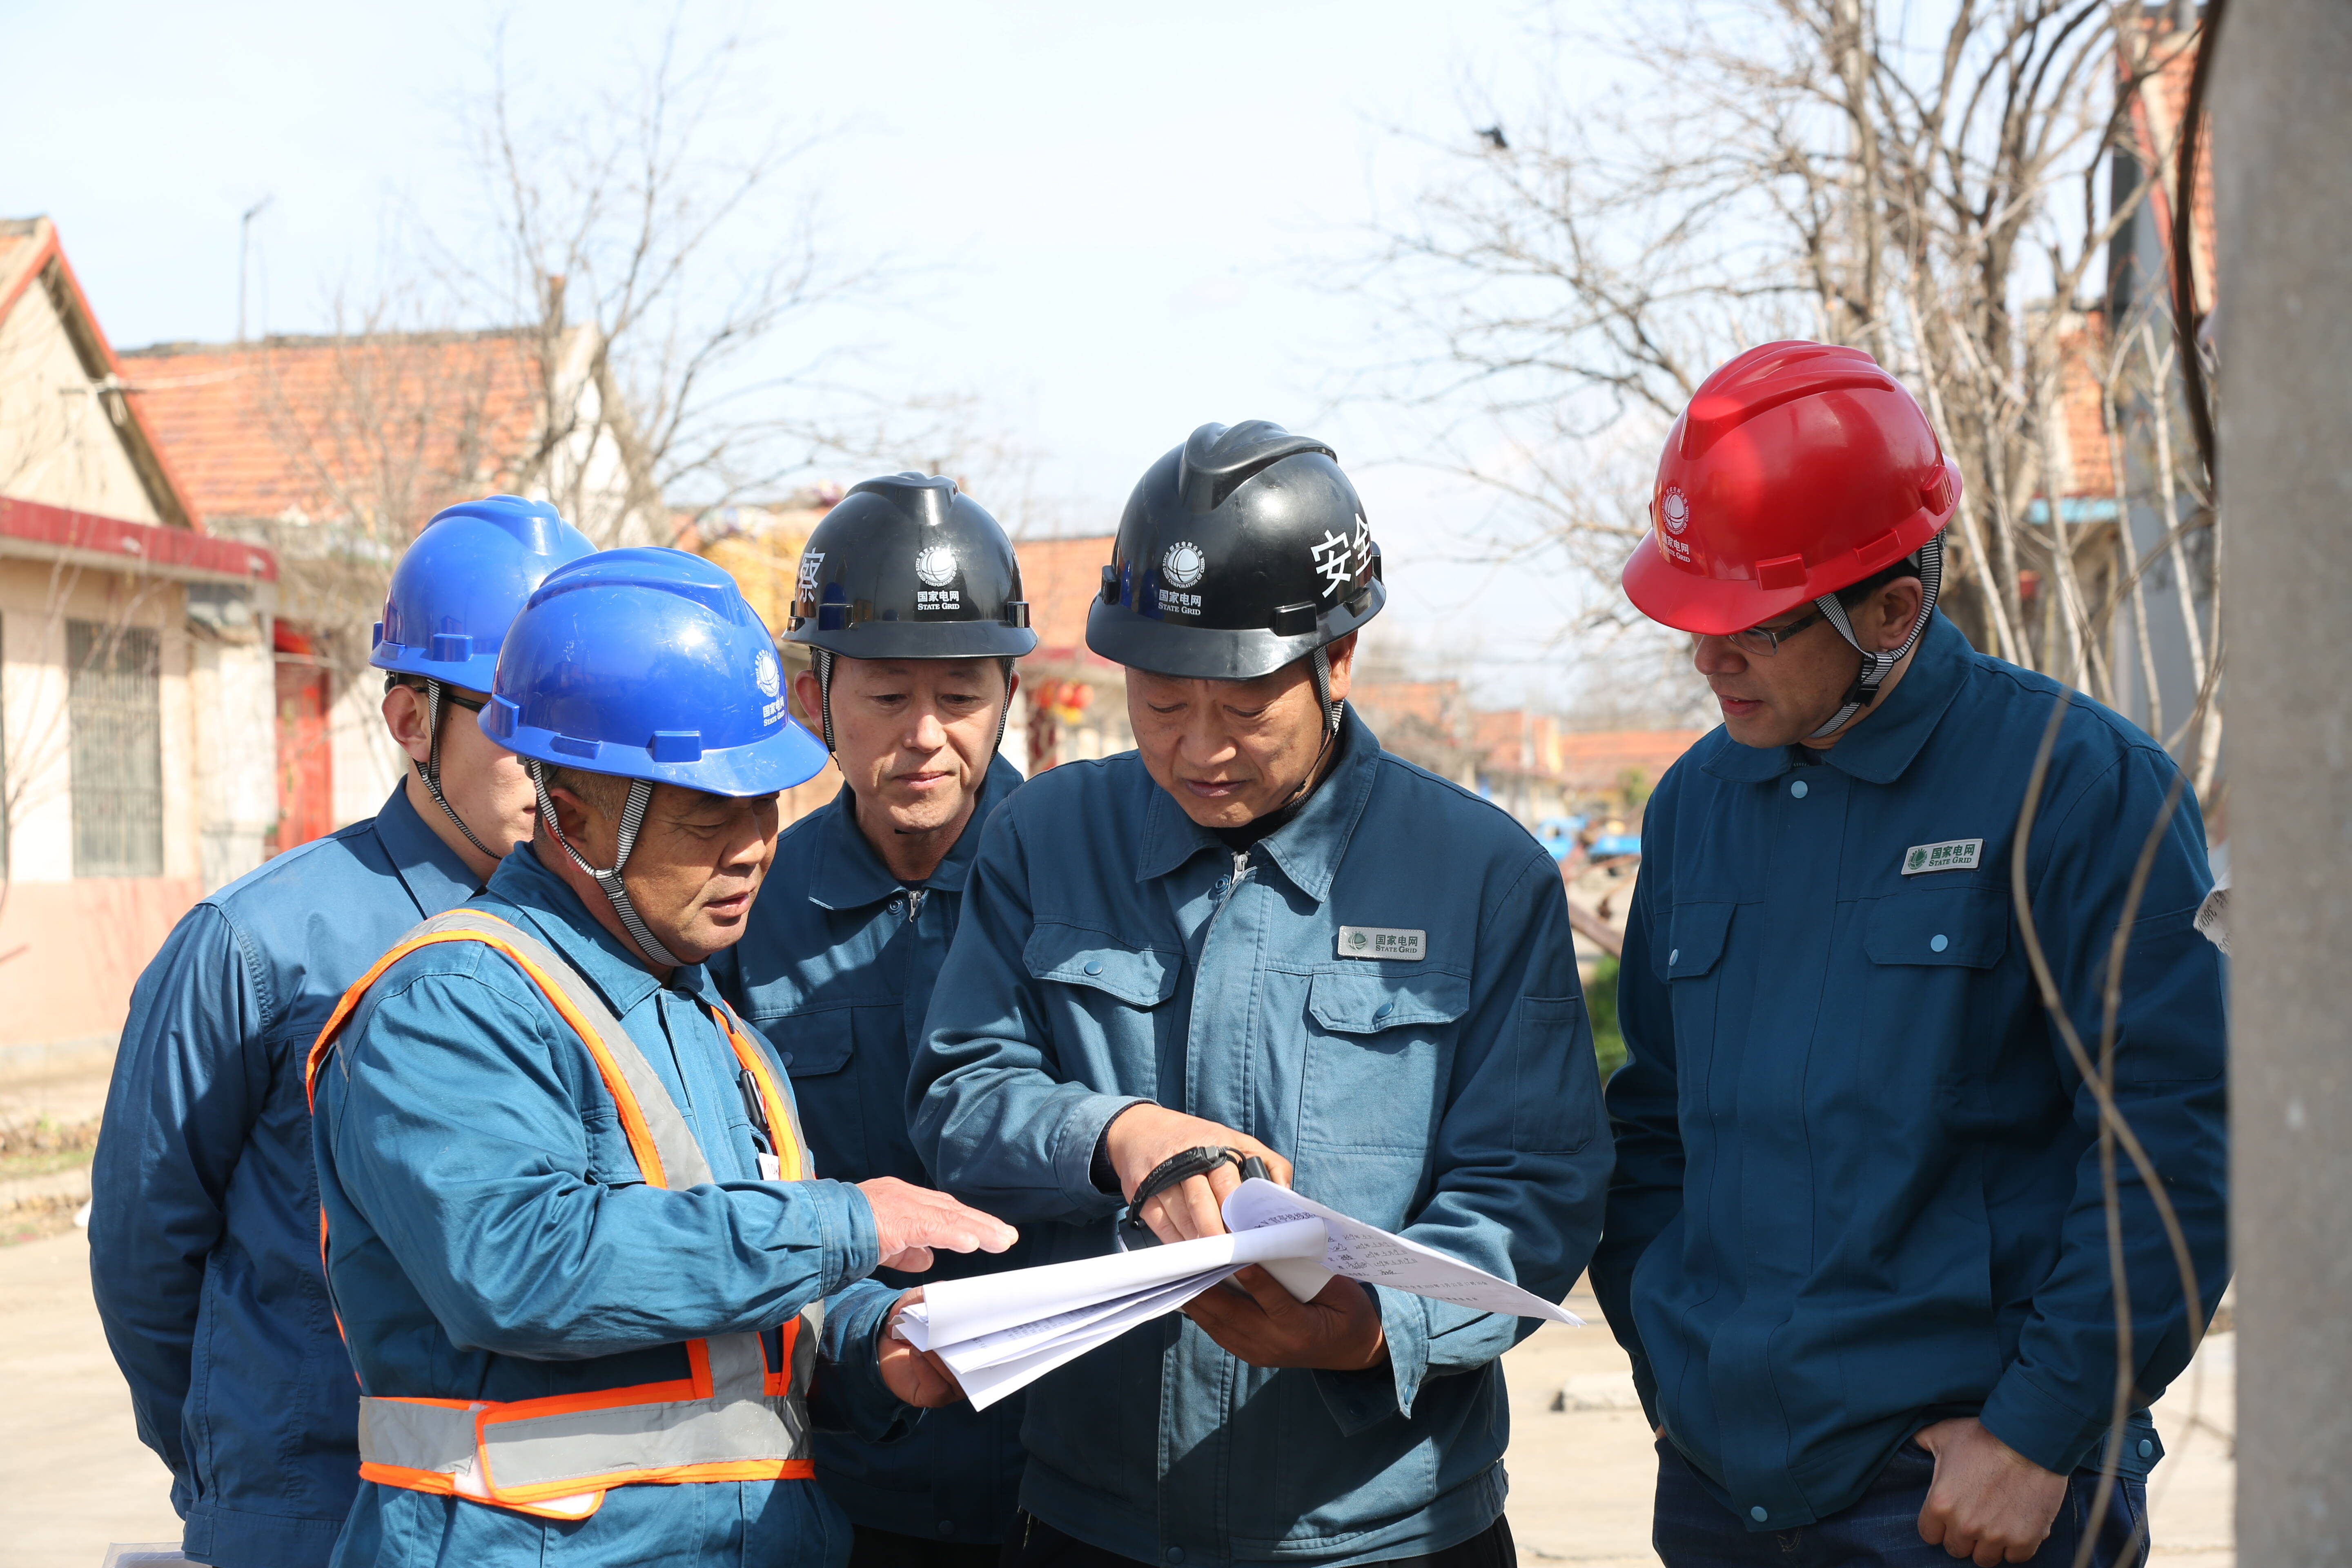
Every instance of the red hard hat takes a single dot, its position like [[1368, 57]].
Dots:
[[1797, 469]]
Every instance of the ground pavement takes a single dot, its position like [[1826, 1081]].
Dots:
[[1581, 1468]]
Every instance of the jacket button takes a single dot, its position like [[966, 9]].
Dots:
[[1674, 958], [1938, 943], [2147, 1447], [1175, 1554], [947, 1527], [1758, 1513], [1385, 1010], [1094, 966], [1797, 789]]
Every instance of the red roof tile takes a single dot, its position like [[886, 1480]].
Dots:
[[389, 428]]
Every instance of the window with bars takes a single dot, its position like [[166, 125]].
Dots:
[[114, 716]]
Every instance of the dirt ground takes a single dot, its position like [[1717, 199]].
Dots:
[[77, 1478]]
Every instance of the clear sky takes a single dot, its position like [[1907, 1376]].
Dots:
[[1114, 222]]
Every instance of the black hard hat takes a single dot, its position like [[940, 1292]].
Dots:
[[906, 567], [1242, 551]]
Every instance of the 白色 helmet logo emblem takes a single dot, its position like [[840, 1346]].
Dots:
[[764, 671], [1673, 507], [1182, 564], [936, 565], [812, 565]]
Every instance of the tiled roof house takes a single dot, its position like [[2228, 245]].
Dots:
[[134, 671]]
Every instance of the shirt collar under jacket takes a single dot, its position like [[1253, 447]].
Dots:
[[1879, 749], [427, 867], [1307, 848], [564, 922], [846, 873]]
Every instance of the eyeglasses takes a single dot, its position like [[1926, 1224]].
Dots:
[[1763, 642], [448, 693]]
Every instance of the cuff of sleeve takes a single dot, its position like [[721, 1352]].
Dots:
[[2046, 1429], [845, 1229], [850, 1395], [1074, 1152], [1359, 1399]]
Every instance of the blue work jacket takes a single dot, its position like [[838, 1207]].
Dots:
[[491, 1237], [1857, 1182], [1111, 951], [836, 966], [204, 1221]]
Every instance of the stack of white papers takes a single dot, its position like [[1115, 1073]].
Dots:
[[999, 1331]]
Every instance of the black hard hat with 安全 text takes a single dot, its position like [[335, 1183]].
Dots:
[[908, 566], [1243, 549]]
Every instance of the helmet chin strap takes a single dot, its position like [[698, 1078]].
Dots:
[[821, 659], [633, 818], [1321, 660], [1878, 663], [429, 770], [1319, 663], [1004, 713]]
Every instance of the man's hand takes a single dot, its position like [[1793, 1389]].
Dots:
[[1988, 1501], [916, 1377], [1144, 1135], [1265, 1325], [912, 1222]]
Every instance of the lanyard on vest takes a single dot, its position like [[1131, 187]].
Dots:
[[731, 1418]]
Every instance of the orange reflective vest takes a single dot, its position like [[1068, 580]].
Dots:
[[732, 1419]]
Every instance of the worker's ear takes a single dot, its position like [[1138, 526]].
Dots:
[[1342, 656], [405, 713], [582, 824], [1897, 604], [807, 693]]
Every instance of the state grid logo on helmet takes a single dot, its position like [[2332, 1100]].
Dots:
[[770, 681], [1674, 508], [1181, 566], [935, 568]]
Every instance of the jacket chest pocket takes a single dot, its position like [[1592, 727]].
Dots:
[[1686, 953], [1932, 953], [1939, 928], [1097, 962], [820, 1052], [1378, 1046]]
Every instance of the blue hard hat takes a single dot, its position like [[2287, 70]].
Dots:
[[464, 581], [648, 664]]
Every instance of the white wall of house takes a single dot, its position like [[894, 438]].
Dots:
[[233, 715], [58, 444], [366, 764], [38, 605]]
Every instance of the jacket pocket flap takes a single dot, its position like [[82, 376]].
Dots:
[[813, 1044], [1964, 926], [1078, 955], [1694, 940], [1364, 1000]]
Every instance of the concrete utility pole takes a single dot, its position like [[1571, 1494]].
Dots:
[[2282, 180]]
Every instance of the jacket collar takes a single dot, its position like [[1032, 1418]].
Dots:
[[845, 872], [427, 867], [1307, 848], [1879, 749], [551, 907]]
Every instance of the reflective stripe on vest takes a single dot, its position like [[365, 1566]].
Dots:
[[730, 1419]]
